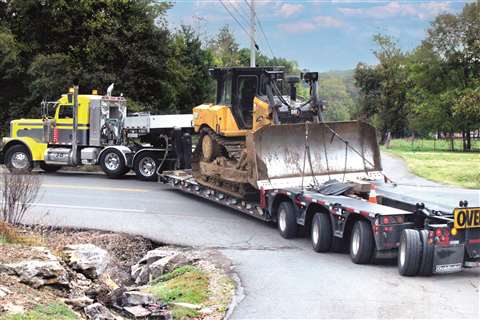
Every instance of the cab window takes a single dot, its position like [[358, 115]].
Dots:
[[65, 112], [226, 92]]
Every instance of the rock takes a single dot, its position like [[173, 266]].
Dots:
[[4, 292], [136, 270], [115, 297], [97, 311], [87, 259], [156, 254], [143, 276], [11, 308], [187, 305], [167, 264], [40, 273], [137, 312], [79, 302], [207, 310], [135, 298]]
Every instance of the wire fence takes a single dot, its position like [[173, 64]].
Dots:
[[432, 145]]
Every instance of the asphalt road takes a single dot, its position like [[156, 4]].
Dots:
[[280, 278]]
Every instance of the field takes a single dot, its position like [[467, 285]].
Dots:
[[455, 168]]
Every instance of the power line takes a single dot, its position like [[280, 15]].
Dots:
[[238, 22], [237, 10], [261, 29]]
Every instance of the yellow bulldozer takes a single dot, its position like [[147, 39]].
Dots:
[[261, 134]]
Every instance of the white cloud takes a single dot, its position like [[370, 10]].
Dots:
[[396, 8], [312, 24], [289, 9]]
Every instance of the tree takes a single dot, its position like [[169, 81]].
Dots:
[[225, 48]]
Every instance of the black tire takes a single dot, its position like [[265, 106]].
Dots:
[[113, 164], [321, 233], [18, 159], [362, 243], [287, 220], [145, 166], [409, 253], [49, 167], [426, 264]]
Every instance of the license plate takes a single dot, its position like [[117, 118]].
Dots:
[[466, 218], [448, 268]]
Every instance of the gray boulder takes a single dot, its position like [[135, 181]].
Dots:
[[88, 259], [137, 298], [98, 311], [167, 264], [38, 273]]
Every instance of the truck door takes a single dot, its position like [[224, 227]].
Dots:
[[64, 124]]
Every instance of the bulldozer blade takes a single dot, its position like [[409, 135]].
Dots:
[[294, 155]]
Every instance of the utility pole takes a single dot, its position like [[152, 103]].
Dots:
[[253, 49]]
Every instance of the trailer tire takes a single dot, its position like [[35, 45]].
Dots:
[[321, 234], [426, 265], [145, 166], [362, 244], [18, 159], [113, 164], [50, 168], [409, 253], [287, 220]]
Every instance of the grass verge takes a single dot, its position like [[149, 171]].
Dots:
[[56, 311], [8, 234], [455, 168], [187, 284]]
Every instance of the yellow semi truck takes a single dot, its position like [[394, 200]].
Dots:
[[92, 129]]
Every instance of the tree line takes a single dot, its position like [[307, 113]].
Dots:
[[433, 89]]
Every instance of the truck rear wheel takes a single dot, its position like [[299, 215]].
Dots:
[[426, 264], [145, 166], [113, 163], [362, 244], [321, 232], [287, 220], [49, 167], [18, 159], [409, 253]]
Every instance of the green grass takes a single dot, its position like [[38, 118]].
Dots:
[[455, 168], [56, 311], [3, 240], [185, 284], [430, 145]]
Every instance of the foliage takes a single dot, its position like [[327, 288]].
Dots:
[[189, 284], [453, 168], [57, 311], [17, 192]]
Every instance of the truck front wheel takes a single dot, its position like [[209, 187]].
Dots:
[[145, 166], [18, 159], [287, 220], [113, 163], [362, 244], [409, 253]]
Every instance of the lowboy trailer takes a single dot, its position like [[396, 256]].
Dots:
[[338, 217]]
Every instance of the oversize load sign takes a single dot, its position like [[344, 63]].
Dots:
[[466, 218]]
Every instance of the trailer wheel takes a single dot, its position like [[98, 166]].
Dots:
[[18, 159], [50, 168], [426, 265], [409, 253], [362, 243], [287, 220], [321, 234], [113, 163], [145, 166]]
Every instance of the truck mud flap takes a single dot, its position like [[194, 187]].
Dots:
[[448, 259]]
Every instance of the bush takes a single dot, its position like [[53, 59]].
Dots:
[[18, 192]]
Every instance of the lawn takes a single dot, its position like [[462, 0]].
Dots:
[[56, 311], [455, 168]]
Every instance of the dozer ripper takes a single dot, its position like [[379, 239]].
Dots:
[[254, 136]]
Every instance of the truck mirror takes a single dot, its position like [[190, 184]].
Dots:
[[70, 98]]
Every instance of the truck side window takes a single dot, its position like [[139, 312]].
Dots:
[[65, 112]]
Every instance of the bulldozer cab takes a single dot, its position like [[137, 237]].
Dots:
[[237, 88]]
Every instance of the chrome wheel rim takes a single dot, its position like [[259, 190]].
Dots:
[[112, 161], [355, 242], [19, 160], [315, 233], [282, 220], [147, 166], [402, 253]]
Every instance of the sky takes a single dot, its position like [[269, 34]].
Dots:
[[321, 35]]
